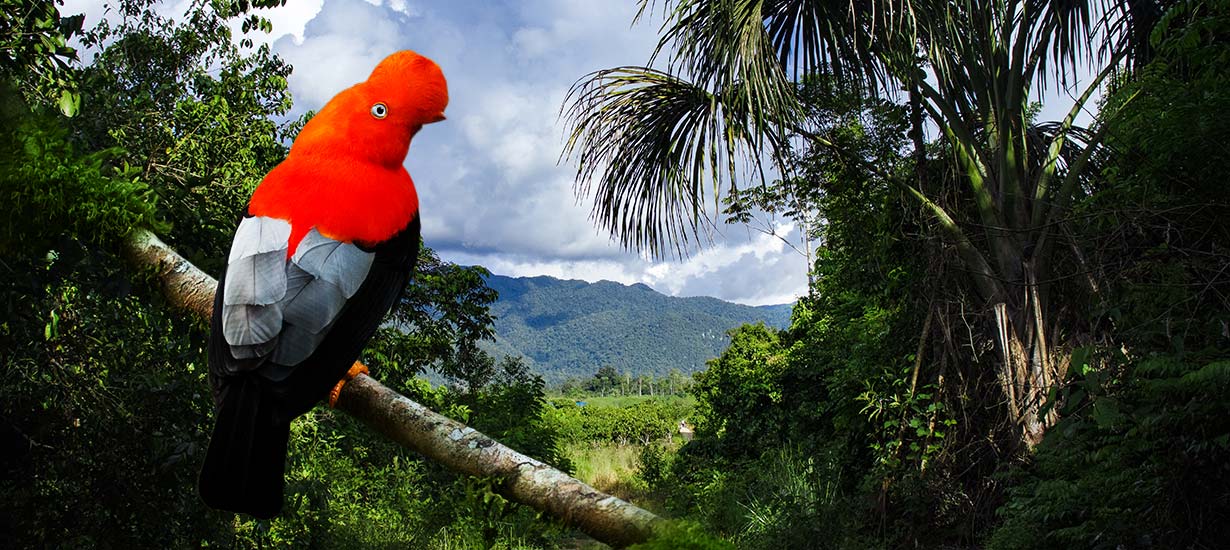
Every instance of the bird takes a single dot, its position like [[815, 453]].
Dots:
[[324, 249]]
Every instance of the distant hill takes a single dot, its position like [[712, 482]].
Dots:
[[571, 328]]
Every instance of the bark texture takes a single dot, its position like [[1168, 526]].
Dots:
[[451, 443], [185, 286], [523, 479]]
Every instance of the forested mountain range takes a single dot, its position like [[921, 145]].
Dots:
[[567, 328]]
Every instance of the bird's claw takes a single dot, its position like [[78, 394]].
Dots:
[[355, 370]]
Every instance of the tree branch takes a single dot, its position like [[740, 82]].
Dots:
[[467, 451], [446, 441]]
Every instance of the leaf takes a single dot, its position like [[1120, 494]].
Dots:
[[70, 102], [1073, 402], [1080, 360], [1106, 413], [52, 328]]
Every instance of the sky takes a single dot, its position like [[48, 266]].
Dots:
[[493, 189]]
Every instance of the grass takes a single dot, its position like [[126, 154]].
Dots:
[[609, 467], [629, 400], [613, 469]]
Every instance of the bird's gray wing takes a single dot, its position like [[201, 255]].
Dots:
[[255, 284], [321, 276]]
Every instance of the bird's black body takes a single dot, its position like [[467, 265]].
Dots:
[[243, 470]]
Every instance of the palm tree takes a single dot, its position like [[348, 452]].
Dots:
[[653, 146]]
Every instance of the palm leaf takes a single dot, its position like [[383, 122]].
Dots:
[[652, 146], [646, 144]]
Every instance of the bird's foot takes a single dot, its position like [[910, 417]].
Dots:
[[355, 370]]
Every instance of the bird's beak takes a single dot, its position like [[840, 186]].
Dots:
[[437, 118]]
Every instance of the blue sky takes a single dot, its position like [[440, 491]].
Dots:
[[492, 189]]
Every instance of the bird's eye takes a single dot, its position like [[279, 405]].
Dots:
[[379, 110]]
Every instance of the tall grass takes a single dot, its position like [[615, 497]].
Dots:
[[615, 469], [609, 467]]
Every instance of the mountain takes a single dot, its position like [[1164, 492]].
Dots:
[[566, 328]]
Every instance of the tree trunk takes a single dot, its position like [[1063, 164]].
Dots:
[[1030, 364], [456, 446]]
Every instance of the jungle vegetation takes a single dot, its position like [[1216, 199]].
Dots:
[[1017, 333]]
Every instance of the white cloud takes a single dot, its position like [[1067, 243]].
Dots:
[[491, 190], [288, 20], [489, 184], [758, 271]]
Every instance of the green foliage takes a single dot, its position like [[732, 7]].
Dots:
[[1156, 451], [918, 419], [1160, 209], [104, 408], [605, 381], [34, 50], [1144, 433], [682, 535], [856, 125], [53, 191], [836, 396], [640, 421], [739, 397], [653, 464], [569, 328], [191, 114], [783, 499]]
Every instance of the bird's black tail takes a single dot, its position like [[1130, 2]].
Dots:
[[247, 453]]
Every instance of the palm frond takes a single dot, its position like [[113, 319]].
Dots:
[[650, 149], [652, 146], [723, 45], [808, 35]]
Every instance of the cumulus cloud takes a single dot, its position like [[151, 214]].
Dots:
[[747, 267], [491, 188]]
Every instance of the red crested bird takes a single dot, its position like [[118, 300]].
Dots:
[[325, 248]]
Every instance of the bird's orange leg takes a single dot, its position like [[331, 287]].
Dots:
[[356, 369]]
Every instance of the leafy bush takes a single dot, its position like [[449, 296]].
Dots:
[[652, 464], [1144, 466], [1141, 457], [53, 192], [682, 535]]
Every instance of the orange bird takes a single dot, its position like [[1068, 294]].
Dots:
[[325, 248]]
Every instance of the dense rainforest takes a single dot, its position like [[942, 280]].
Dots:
[[564, 328], [1017, 331]]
